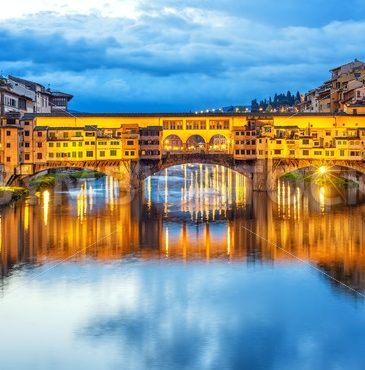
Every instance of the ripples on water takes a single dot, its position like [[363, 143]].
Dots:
[[196, 272]]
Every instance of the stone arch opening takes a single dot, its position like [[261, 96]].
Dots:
[[195, 143], [60, 175], [218, 143], [173, 143], [330, 171]]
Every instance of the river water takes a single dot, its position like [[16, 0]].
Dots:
[[194, 272]]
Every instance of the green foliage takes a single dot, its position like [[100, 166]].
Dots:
[[319, 180], [11, 193], [277, 102], [49, 180]]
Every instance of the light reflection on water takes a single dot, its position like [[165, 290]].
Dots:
[[184, 276]]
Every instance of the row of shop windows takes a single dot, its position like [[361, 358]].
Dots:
[[245, 133], [80, 143], [327, 153], [245, 142], [245, 152], [196, 125], [89, 154]]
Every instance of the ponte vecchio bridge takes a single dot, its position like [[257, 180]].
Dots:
[[131, 147]]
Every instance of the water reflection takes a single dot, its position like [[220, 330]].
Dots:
[[206, 193], [169, 219], [186, 276]]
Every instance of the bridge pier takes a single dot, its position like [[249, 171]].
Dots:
[[263, 178]]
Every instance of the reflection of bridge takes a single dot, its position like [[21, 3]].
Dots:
[[31, 233], [263, 173]]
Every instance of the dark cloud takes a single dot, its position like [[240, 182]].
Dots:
[[189, 56]]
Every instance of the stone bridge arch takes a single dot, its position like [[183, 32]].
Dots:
[[147, 169], [121, 170], [283, 167], [218, 142], [173, 143]]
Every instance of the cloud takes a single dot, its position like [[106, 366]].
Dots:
[[186, 56], [243, 318]]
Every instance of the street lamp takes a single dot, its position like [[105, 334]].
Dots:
[[322, 170]]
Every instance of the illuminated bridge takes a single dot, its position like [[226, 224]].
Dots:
[[132, 147]]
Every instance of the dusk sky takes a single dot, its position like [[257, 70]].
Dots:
[[166, 55]]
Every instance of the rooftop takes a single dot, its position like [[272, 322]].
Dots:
[[258, 115]]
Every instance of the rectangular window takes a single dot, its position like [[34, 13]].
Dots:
[[58, 145], [65, 135], [342, 153], [126, 153], [8, 133], [78, 134], [196, 124], [172, 125], [89, 153], [130, 142], [26, 133], [39, 155], [277, 151], [79, 154], [305, 141], [50, 145], [27, 145], [39, 145], [73, 144], [50, 155], [102, 153], [305, 152], [40, 134], [8, 159], [132, 153], [73, 154], [113, 153], [65, 145], [8, 145], [219, 124], [26, 157]]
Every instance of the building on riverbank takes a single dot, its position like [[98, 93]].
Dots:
[[19, 96], [344, 92]]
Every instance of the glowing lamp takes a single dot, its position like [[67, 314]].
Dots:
[[322, 170]]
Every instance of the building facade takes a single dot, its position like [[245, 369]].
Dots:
[[344, 92], [58, 138], [19, 96]]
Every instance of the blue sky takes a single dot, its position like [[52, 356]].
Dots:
[[165, 55]]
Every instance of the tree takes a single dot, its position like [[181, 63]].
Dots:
[[254, 106]]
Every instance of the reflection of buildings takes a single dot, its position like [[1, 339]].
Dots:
[[95, 223]]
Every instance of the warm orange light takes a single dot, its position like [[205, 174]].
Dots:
[[322, 170]]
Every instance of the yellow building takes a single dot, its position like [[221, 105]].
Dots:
[[41, 139]]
